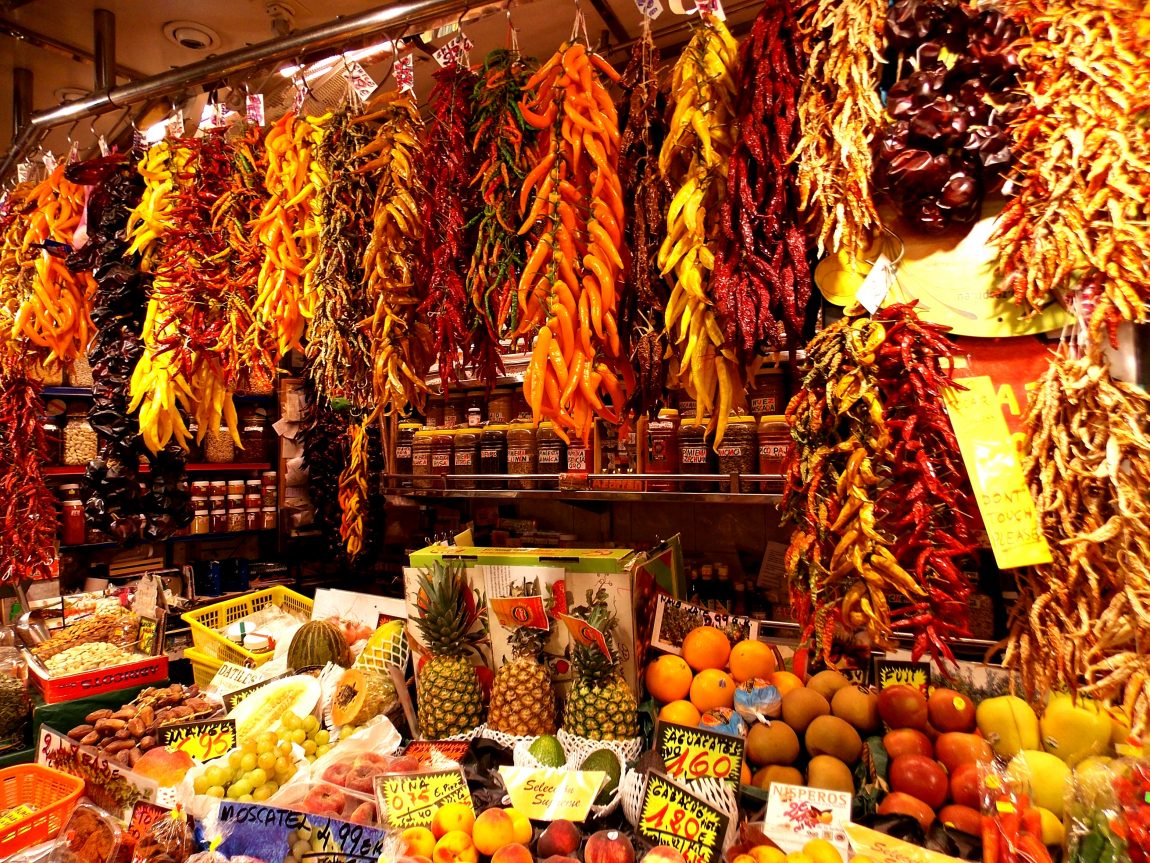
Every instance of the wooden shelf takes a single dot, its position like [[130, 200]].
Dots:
[[195, 467], [86, 393], [192, 537]]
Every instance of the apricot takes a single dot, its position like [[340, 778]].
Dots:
[[493, 829], [455, 846], [417, 842], [523, 831], [453, 816], [513, 853]]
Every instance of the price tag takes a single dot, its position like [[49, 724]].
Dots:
[[515, 611], [363, 84], [549, 794], [873, 291], [15, 814], [300, 95], [201, 740], [672, 815], [991, 459], [585, 634], [714, 7], [891, 672], [796, 815], [404, 72], [144, 815], [411, 799], [49, 160], [693, 753], [437, 751], [231, 678], [254, 109], [651, 8], [175, 124], [454, 51]]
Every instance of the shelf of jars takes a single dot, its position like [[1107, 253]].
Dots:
[[191, 537], [745, 489], [198, 467], [54, 392]]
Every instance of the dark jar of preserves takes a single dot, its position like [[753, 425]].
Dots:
[[694, 455], [403, 440], [552, 450], [739, 451], [421, 458], [466, 455], [442, 452], [522, 453], [663, 448], [774, 443], [493, 452]]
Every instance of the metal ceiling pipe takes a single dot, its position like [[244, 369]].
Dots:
[[104, 49], [411, 16], [21, 98]]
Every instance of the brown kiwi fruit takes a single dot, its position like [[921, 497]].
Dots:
[[827, 683], [801, 706], [826, 771], [773, 743], [776, 773], [829, 735], [858, 707]]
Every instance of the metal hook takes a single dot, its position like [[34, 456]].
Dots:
[[72, 129]]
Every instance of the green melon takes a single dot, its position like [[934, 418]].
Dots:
[[318, 642]]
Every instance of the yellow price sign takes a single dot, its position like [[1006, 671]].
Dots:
[[16, 813], [203, 741], [886, 849], [548, 794], [991, 459], [694, 753], [410, 799], [672, 815]]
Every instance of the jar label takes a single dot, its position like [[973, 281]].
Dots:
[[549, 456], [519, 456], [441, 459], [489, 452], [421, 459], [764, 405], [730, 452], [403, 452], [576, 459], [660, 425], [464, 457], [693, 454], [773, 451]]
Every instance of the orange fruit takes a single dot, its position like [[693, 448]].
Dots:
[[745, 774], [784, 681], [493, 829], [706, 647], [668, 678], [750, 658], [681, 713], [453, 817], [713, 688]]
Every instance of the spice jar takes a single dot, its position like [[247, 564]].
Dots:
[[688, 407], [235, 487], [253, 436], [269, 493], [219, 448], [520, 410], [739, 451], [219, 520], [522, 454], [218, 487], [474, 417], [663, 448], [253, 501], [201, 488], [493, 452], [442, 450], [694, 454], [774, 441], [453, 410], [72, 522], [435, 411], [80, 444], [466, 455], [421, 458], [268, 518], [500, 406], [765, 394], [80, 373], [201, 522], [551, 449], [237, 520], [53, 439], [403, 438], [578, 460]]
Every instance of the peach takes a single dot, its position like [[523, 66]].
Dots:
[[512, 853], [561, 839], [453, 817], [405, 764], [767, 854], [372, 759], [742, 858], [361, 778], [166, 766], [337, 773], [364, 814], [559, 858], [493, 829], [609, 846], [325, 799], [667, 854], [523, 830], [455, 846], [417, 842]]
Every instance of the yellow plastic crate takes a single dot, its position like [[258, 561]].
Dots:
[[204, 667], [209, 622]]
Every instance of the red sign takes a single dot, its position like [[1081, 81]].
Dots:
[[1014, 364]]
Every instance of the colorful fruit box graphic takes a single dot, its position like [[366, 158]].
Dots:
[[796, 815], [273, 834]]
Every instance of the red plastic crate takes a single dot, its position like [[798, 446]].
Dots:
[[149, 669]]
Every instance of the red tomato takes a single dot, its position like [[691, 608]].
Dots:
[[920, 777], [962, 818], [964, 785], [898, 803], [954, 749], [907, 741]]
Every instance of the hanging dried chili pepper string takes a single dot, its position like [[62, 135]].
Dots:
[[322, 436], [646, 196], [761, 283], [502, 141], [29, 507], [445, 170], [353, 491]]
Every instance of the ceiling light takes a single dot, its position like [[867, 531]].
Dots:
[[191, 35], [319, 67]]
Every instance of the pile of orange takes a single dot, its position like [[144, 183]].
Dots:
[[708, 672]]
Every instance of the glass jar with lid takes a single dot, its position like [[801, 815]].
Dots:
[[765, 395], [552, 451], [421, 458], [403, 438], [500, 405], [219, 447], [739, 450], [72, 527], [493, 452], [80, 443], [522, 454], [694, 455], [774, 443], [253, 436], [466, 455], [454, 411], [53, 426], [442, 451], [436, 406], [663, 448], [201, 521]]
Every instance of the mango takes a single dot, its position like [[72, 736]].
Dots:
[[1047, 775], [1074, 731], [1009, 724]]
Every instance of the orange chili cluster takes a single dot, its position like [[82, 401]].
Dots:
[[571, 280]]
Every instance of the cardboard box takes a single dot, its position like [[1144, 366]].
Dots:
[[567, 573]]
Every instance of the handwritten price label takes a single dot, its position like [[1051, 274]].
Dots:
[[144, 815], [203, 741], [410, 800], [438, 751], [672, 815], [692, 753], [15, 814], [651, 8], [404, 73], [454, 51]]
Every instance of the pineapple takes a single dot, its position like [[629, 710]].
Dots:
[[600, 704], [522, 700], [450, 697]]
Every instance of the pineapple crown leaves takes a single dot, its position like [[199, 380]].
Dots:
[[448, 610], [589, 659]]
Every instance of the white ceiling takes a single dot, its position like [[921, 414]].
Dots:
[[142, 46]]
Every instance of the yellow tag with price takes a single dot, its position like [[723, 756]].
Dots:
[[410, 799], [203, 741], [672, 815], [693, 753]]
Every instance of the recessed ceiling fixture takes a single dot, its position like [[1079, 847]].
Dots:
[[192, 35], [71, 94]]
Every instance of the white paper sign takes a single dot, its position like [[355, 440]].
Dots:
[[254, 109], [404, 73], [796, 815], [715, 7], [877, 284], [651, 8], [454, 51], [363, 84]]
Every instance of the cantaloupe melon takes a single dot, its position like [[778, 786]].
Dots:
[[359, 696], [318, 642], [263, 709]]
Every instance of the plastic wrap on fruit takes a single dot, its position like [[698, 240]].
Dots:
[[168, 840], [724, 720], [757, 701]]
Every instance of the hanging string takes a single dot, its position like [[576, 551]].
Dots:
[[512, 33], [580, 25]]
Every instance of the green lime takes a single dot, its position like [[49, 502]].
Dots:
[[548, 751]]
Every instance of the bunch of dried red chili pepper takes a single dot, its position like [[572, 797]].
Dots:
[[646, 197], [761, 282], [876, 487], [28, 505], [115, 502], [445, 170], [502, 141]]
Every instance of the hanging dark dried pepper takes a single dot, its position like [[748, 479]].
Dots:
[[323, 434]]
